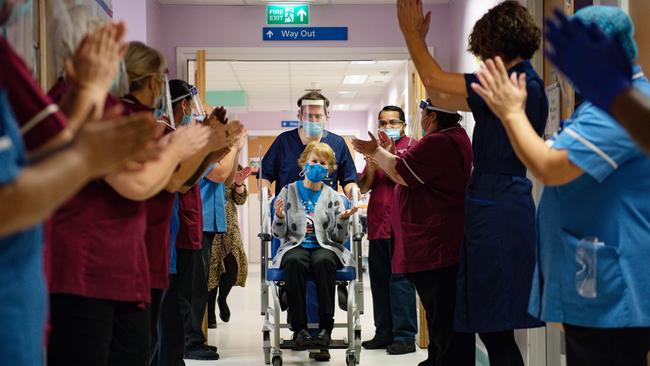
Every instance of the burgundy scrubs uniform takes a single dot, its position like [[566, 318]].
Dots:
[[428, 218]]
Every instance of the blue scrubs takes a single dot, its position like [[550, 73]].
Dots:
[[23, 293], [214, 206], [498, 255], [610, 202], [280, 164], [174, 226]]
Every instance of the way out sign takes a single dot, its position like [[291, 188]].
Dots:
[[287, 14]]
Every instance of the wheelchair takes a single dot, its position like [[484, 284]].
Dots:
[[348, 279]]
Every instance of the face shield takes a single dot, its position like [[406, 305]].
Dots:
[[18, 20], [313, 117], [163, 105]]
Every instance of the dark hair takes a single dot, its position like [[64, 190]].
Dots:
[[393, 108], [446, 120], [178, 88], [507, 30], [314, 95]]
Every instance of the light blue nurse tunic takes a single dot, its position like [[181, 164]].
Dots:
[[611, 201]]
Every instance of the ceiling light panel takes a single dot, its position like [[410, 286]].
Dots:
[[355, 79]]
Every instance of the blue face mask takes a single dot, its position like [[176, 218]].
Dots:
[[312, 129], [315, 172], [17, 13], [424, 132], [187, 119], [393, 133]]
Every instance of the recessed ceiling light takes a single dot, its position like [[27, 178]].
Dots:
[[355, 79], [341, 107], [347, 94], [363, 62]]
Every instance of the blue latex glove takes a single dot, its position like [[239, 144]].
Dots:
[[596, 65]]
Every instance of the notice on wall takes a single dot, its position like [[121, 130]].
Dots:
[[554, 111]]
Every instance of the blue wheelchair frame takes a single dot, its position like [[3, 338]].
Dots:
[[272, 278]]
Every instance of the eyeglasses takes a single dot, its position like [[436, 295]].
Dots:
[[392, 123]]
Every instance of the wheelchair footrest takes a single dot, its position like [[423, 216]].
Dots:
[[336, 344]]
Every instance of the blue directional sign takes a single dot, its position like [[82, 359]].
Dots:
[[305, 33], [289, 124]]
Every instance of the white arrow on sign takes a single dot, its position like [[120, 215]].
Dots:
[[302, 14], [269, 34]]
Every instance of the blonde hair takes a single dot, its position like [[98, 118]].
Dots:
[[142, 61], [321, 150]]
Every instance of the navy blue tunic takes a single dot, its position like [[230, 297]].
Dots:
[[280, 164], [498, 255]]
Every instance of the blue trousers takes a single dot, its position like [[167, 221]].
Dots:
[[393, 296]]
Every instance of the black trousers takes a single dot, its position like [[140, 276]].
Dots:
[[437, 291], [321, 264], [154, 314], [199, 299], [97, 332], [171, 329], [226, 281], [606, 347], [393, 296], [502, 349]]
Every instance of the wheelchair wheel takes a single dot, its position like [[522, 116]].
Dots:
[[351, 360], [277, 361]]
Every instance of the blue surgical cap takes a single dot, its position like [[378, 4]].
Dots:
[[614, 22]]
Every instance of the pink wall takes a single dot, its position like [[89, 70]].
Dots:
[[241, 26], [131, 12]]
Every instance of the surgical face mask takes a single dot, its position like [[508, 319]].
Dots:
[[186, 120], [393, 133], [313, 129], [315, 172]]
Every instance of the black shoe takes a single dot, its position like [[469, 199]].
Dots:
[[301, 340], [211, 348], [224, 311], [401, 348], [374, 343], [212, 324], [321, 356], [201, 353], [322, 340]]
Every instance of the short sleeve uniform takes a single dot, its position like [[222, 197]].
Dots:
[[427, 214], [609, 202]]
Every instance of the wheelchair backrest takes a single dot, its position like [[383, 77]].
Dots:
[[275, 242]]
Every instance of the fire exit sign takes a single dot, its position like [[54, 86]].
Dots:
[[287, 14]]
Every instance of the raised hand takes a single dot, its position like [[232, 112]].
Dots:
[[366, 148], [348, 213], [412, 20], [188, 140], [506, 96], [279, 208], [242, 175], [386, 142]]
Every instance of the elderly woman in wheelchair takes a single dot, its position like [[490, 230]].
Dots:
[[312, 224]]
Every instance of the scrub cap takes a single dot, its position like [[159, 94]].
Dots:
[[614, 23]]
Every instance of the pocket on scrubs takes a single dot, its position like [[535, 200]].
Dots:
[[421, 245], [611, 296]]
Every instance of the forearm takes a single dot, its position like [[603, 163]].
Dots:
[[551, 167], [233, 172], [388, 163], [366, 180], [186, 170], [632, 110], [77, 105], [149, 181], [434, 78], [221, 172], [41, 189]]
